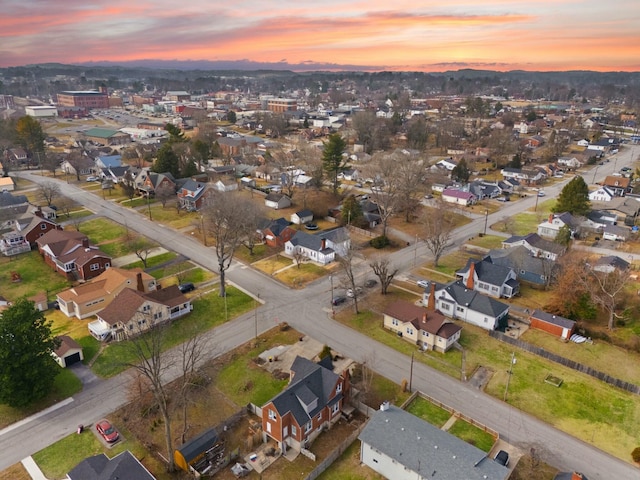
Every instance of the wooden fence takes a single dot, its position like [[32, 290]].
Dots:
[[333, 456], [541, 352]]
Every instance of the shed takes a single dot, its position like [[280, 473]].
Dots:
[[553, 324], [69, 351], [195, 449], [302, 216]]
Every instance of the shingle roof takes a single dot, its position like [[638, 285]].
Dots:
[[123, 466], [422, 447], [487, 272], [553, 319], [474, 300]]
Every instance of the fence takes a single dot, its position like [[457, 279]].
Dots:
[[361, 231], [322, 466], [541, 352]]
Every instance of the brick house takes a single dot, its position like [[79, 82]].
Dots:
[[312, 401]]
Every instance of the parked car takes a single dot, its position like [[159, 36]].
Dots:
[[338, 300], [423, 283], [92, 178], [108, 431], [186, 287], [502, 458], [350, 293], [541, 193], [370, 283]]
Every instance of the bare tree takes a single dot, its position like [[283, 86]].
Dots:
[[364, 124], [437, 229], [148, 361], [606, 288], [299, 257], [385, 272], [164, 192], [346, 261], [225, 222], [191, 353], [382, 169], [48, 191], [410, 176], [76, 160], [141, 246]]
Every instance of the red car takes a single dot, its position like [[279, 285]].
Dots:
[[108, 432]]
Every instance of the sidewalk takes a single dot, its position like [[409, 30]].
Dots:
[[32, 469], [132, 257]]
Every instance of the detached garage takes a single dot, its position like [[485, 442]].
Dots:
[[69, 351], [553, 324]]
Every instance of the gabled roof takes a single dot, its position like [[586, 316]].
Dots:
[[277, 226], [9, 200], [275, 197], [418, 445], [100, 132], [66, 343], [310, 382], [487, 272], [553, 319], [536, 241], [310, 242], [337, 235], [128, 302], [455, 193], [474, 300], [520, 259], [304, 213], [123, 466], [107, 282], [613, 261]]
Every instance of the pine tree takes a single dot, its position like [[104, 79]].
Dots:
[[574, 198], [332, 159]]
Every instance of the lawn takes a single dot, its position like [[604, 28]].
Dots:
[[487, 241], [153, 261], [428, 411], [208, 311], [473, 435], [170, 217], [107, 235], [188, 273], [348, 467], [300, 275], [35, 275]]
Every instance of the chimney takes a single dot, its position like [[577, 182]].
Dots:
[[472, 271], [139, 284], [576, 476], [384, 406], [431, 302], [551, 218]]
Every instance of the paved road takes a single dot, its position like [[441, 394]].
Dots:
[[307, 311]]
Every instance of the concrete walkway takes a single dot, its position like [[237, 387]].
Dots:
[[32, 469]]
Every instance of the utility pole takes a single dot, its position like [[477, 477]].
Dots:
[[415, 252], [411, 373], [513, 361], [255, 317], [333, 312], [486, 218]]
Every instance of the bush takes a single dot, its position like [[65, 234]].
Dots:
[[636, 454], [379, 242]]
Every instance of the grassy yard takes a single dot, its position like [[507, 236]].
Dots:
[[473, 435], [35, 275], [429, 412], [487, 241], [153, 261], [300, 275], [208, 311], [107, 235], [272, 264], [348, 467]]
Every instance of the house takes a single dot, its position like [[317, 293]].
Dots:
[[301, 217], [485, 277], [123, 466], [615, 233], [193, 195], [570, 476], [337, 239], [80, 166], [107, 136], [44, 212], [598, 219], [70, 254], [399, 445], [620, 186], [602, 194], [18, 156], [553, 324], [538, 246], [31, 227], [571, 163], [459, 197], [148, 182], [13, 243], [133, 312], [108, 161], [555, 222], [68, 352], [484, 190], [537, 270], [276, 233], [447, 163], [309, 246], [226, 185], [457, 301], [430, 330], [15, 204], [311, 402], [610, 263], [627, 208], [7, 184], [87, 299], [277, 201], [529, 177]]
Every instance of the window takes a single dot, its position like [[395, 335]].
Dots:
[[146, 308], [444, 306], [409, 331], [294, 430], [459, 309], [394, 321], [94, 267], [43, 226], [339, 388], [272, 415], [335, 409], [484, 286], [307, 427], [425, 334], [494, 289], [320, 417]]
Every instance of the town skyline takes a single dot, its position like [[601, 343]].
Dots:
[[499, 35]]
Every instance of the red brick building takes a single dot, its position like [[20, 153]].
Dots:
[[85, 99]]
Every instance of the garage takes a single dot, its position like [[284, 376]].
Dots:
[[68, 352]]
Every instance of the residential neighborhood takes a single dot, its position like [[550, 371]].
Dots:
[[268, 284]]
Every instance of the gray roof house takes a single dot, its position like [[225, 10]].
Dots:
[[123, 466], [310, 246], [489, 278], [397, 444], [277, 201], [555, 222], [609, 263], [529, 268], [538, 246], [302, 216], [457, 301]]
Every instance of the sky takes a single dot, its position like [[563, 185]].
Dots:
[[372, 35]]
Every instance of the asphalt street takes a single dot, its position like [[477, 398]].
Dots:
[[308, 311]]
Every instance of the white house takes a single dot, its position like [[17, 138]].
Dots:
[[457, 301], [277, 201], [459, 197], [310, 246], [488, 278], [226, 185], [301, 217], [602, 194], [398, 445], [555, 222]]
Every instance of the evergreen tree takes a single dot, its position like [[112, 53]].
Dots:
[[231, 116], [461, 172], [167, 161], [574, 198], [27, 369], [333, 161], [351, 211], [175, 134]]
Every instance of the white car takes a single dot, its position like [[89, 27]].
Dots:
[[423, 283], [350, 292], [92, 179]]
